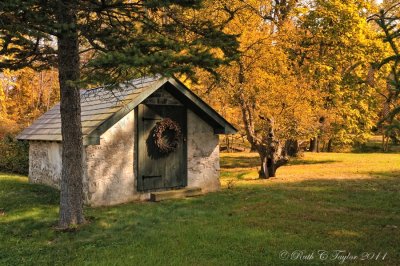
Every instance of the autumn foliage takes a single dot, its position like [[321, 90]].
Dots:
[[24, 96], [318, 74], [306, 74]]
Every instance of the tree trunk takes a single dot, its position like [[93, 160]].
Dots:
[[227, 144], [263, 174], [329, 148], [292, 148], [276, 153], [270, 163], [385, 142], [275, 160], [314, 144], [253, 148], [71, 196], [271, 168]]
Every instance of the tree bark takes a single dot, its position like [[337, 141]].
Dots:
[[274, 150], [278, 155], [330, 146], [292, 147], [71, 196], [253, 148], [314, 144], [263, 173], [271, 168]]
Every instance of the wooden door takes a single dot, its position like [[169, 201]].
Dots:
[[156, 172]]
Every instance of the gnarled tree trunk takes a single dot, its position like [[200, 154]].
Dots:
[[71, 198], [276, 152], [271, 152]]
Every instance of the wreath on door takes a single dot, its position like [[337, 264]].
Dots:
[[166, 135]]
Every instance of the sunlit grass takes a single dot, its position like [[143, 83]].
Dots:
[[322, 201], [312, 166]]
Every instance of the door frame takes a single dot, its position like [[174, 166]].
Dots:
[[136, 153]]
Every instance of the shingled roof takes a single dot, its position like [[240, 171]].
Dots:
[[101, 108]]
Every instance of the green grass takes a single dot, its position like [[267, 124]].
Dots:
[[320, 202]]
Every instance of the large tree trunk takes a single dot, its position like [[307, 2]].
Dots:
[[71, 198], [275, 163], [270, 163], [276, 153]]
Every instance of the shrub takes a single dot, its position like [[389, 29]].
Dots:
[[14, 155]]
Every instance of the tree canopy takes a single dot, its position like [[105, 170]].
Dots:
[[304, 71]]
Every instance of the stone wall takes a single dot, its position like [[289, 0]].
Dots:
[[45, 163], [110, 166], [203, 155]]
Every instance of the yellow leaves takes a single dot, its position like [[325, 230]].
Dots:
[[25, 94], [7, 126], [313, 67], [3, 110]]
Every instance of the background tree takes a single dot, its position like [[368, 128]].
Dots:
[[121, 40], [6, 124], [333, 50], [303, 72], [272, 101], [388, 20], [24, 95], [28, 94]]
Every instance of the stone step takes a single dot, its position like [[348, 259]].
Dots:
[[175, 194]]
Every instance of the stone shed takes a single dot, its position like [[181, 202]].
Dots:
[[149, 135]]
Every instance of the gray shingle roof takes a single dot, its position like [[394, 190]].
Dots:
[[101, 108]]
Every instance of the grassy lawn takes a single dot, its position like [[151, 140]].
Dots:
[[320, 202]]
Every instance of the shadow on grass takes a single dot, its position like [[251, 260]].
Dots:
[[228, 162], [232, 226], [239, 162], [15, 192]]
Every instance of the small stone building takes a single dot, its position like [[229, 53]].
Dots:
[[122, 162]]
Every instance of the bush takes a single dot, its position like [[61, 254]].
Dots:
[[14, 155]]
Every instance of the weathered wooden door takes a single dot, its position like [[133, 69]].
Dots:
[[156, 171]]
